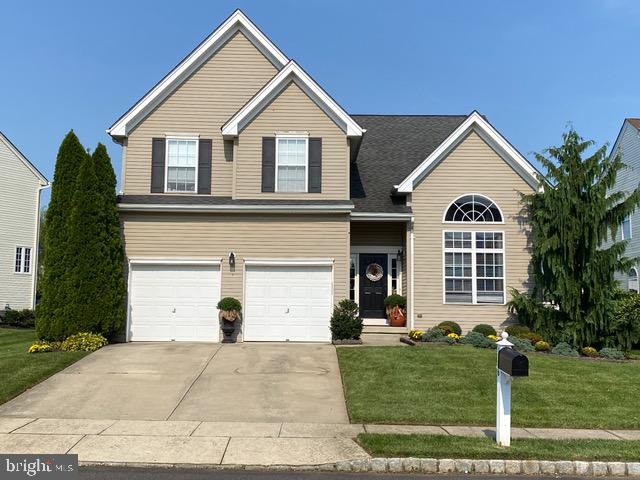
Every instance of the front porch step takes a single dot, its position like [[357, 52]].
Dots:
[[384, 329]]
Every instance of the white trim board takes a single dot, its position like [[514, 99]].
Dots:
[[291, 72], [476, 123], [275, 262], [137, 207], [174, 261], [237, 21], [381, 217]]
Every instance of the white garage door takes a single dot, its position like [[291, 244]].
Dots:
[[174, 302], [287, 303]]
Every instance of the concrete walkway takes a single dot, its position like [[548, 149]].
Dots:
[[227, 443]]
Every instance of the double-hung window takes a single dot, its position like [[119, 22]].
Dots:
[[182, 165], [23, 260], [474, 267], [626, 228], [292, 158]]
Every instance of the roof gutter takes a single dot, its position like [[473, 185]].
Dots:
[[133, 207], [380, 217]]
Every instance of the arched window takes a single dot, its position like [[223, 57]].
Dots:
[[473, 208], [632, 280]]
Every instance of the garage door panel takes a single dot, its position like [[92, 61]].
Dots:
[[174, 302], [287, 303]]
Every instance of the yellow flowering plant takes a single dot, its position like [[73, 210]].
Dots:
[[416, 334], [455, 336], [493, 337], [40, 347]]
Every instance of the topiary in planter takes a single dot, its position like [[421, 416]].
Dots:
[[485, 329], [565, 349], [450, 327], [346, 323], [393, 300], [230, 309]]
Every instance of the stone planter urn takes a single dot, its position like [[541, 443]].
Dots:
[[228, 325]]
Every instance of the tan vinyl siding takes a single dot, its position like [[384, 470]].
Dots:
[[201, 105], [472, 167], [19, 192], [377, 234], [293, 110], [248, 236]]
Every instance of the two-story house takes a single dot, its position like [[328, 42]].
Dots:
[[20, 187], [627, 146], [243, 177]]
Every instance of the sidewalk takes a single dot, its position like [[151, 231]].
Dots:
[[228, 443]]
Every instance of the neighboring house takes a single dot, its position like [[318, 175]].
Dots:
[[627, 145], [20, 187], [242, 177]]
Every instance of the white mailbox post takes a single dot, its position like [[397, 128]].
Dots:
[[503, 403], [509, 364]]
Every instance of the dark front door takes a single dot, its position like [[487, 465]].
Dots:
[[373, 284]]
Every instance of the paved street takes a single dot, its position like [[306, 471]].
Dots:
[[198, 474]]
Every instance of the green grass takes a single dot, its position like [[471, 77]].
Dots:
[[20, 370], [444, 385], [440, 446]]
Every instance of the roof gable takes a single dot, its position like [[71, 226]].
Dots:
[[474, 122], [238, 21], [628, 124], [291, 72], [18, 154]]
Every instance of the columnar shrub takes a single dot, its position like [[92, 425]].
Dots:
[[346, 323]]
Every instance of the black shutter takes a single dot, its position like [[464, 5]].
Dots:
[[315, 165], [204, 166], [158, 146], [268, 164]]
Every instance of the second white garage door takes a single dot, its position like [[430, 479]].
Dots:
[[288, 302], [174, 302]]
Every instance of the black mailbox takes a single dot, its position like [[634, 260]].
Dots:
[[513, 363]]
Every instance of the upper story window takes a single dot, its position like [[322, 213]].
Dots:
[[473, 208], [627, 233], [182, 165], [23, 260], [292, 158]]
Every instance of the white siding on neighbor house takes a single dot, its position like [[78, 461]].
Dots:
[[628, 147], [19, 192]]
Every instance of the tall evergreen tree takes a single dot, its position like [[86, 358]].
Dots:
[[114, 288], [51, 311], [575, 217]]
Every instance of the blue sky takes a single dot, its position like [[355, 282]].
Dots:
[[532, 67]]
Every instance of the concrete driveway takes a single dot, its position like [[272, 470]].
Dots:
[[193, 381]]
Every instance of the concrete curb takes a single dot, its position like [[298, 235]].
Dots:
[[428, 465]]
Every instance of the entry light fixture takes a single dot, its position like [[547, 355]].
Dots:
[[232, 260]]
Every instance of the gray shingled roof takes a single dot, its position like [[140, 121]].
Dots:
[[392, 147]]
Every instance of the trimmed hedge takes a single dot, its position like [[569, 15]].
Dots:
[[450, 327], [485, 329]]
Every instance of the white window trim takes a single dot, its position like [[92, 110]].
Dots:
[[289, 136], [22, 256], [473, 250], [630, 229], [166, 161], [444, 215]]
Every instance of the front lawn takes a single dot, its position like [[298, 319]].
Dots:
[[441, 446], [449, 385], [20, 370]]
